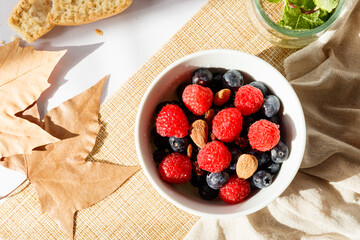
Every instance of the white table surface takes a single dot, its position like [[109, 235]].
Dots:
[[129, 39]]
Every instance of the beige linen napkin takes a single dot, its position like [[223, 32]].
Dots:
[[323, 201]]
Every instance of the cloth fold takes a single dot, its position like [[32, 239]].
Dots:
[[323, 201]]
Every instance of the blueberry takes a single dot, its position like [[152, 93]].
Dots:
[[275, 119], [197, 180], [194, 153], [233, 79], [260, 86], [217, 180], [271, 106], [273, 168], [279, 153], [250, 119], [230, 172], [178, 144], [159, 155], [247, 121], [252, 151], [159, 141], [217, 83], [261, 179], [207, 192], [235, 154], [202, 77], [263, 158], [252, 185]]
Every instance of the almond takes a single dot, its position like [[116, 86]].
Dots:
[[212, 137], [199, 132], [197, 169], [209, 116], [189, 151], [246, 166], [222, 96]]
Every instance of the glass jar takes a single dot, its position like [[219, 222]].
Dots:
[[263, 20]]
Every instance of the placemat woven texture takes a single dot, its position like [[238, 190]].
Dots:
[[136, 210]]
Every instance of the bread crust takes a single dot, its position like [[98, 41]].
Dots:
[[82, 13], [28, 19]]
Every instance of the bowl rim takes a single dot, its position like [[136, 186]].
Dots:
[[142, 161]]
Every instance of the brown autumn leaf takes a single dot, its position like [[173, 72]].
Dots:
[[24, 74], [63, 179]]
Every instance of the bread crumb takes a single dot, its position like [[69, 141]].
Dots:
[[99, 32], [2, 42]]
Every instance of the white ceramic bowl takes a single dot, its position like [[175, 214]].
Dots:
[[164, 88]]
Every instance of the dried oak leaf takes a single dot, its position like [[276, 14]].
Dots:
[[24, 74], [63, 179]]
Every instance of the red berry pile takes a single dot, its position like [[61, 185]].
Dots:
[[235, 190], [248, 99], [175, 168], [227, 124], [264, 135], [214, 157], [197, 99], [224, 127], [171, 121]]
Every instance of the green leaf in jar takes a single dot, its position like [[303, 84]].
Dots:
[[304, 4], [327, 5], [294, 19]]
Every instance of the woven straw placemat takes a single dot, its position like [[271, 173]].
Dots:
[[136, 210]]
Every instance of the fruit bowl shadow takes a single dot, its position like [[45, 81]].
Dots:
[[164, 88]]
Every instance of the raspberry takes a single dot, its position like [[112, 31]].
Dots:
[[175, 168], [263, 135], [227, 124], [171, 121], [248, 99], [214, 157], [197, 99], [235, 190]]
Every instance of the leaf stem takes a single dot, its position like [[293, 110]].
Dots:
[[7, 195]]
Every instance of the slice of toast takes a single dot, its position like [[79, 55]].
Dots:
[[28, 19], [76, 12]]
